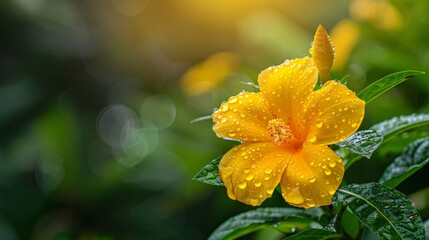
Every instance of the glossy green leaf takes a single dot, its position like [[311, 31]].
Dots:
[[210, 173], [415, 156], [315, 234], [382, 85], [384, 210], [400, 142], [286, 220], [363, 143], [396, 125]]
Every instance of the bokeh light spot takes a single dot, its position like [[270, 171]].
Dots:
[[158, 111]]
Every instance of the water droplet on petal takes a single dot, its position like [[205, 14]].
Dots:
[[312, 139], [332, 164], [310, 203], [312, 179], [331, 191], [270, 190], [258, 184], [224, 120], [242, 115], [294, 196], [354, 125], [231, 134], [246, 170], [266, 178], [233, 100], [250, 177], [328, 171], [242, 185], [319, 124], [268, 170]]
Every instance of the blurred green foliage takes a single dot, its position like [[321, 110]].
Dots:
[[95, 133]]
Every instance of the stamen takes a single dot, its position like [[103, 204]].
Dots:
[[279, 131]]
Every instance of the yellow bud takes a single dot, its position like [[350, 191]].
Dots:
[[322, 52]]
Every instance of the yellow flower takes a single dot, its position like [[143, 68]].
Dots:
[[285, 129], [345, 35], [381, 13], [206, 76]]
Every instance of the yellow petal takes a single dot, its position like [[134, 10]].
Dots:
[[333, 113], [251, 171], [286, 87], [243, 117], [322, 52], [312, 176]]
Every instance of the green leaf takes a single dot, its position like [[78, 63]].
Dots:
[[382, 85], [210, 173], [415, 156], [400, 142], [384, 210], [396, 125], [345, 79], [286, 220], [315, 234], [251, 84], [389, 129], [363, 143], [203, 118]]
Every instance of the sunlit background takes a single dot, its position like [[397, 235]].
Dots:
[[97, 99]]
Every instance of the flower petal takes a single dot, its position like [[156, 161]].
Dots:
[[286, 88], [243, 117], [251, 171], [312, 176], [333, 113]]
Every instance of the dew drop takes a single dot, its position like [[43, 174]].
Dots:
[[242, 115], [224, 120], [312, 139], [242, 185], [270, 190], [294, 196], [266, 178], [354, 125], [328, 98], [250, 177], [268, 170], [247, 170], [319, 124], [310, 203], [258, 184], [312, 179], [331, 191], [231, 134], [224, 108], [332, 164], [233, 100], [328, 172]]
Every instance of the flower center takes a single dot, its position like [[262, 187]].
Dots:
[[279, 131]]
